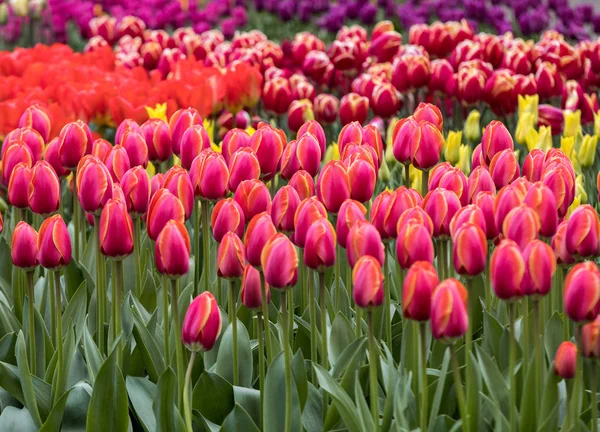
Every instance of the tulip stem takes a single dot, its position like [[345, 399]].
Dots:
[[233, 320], [75, 216], [166, 320], [312, 312], [323, 306], [59, 341], [265, 312], [117, 300], [137, 255], [578, 386], [407, 175], [458, 388], [52, 304], [261, 364], [373, 359], [594, 391], [424, 391], [512, 360], [469, 349], [187, 395], [197, 216], [424, 183], [100, 288], [288, 361], [178, 346], [31, 303], [538, 353], [206, 245], [338, 276], [388, 302]]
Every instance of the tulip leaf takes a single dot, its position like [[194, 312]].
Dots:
[[109, 407], [473, 403], [7, 347], [363, 410], [554, 334], [17, 420], [73, 279], [238, 420], [352, 355], [312, 415], [75, 312], [26, 381], [92, 355], [342, 334], [249, 399], [299, 373], [75, 414], [54, 420], [142, 392], [494, 380], [550, 402], [225, 356], [439, 390], [167, 416], [274, 399], [213, 397], [88, 259], [527, 409], [152, 356]]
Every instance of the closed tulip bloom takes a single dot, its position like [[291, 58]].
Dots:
[[469, 250], [533, 165], [30, 137], [471, 213], [319, 248], [250, 292], [429, 112], [74, 142], [504, 168], [279, 262], [116, 230], [372, 137], [125, 126], [277, 95], [172, 250], [234, 140], [522, 225], [542, 200], [178, 181], [136, 148], [333, 185], [350, 133], [100, 149], [94, 184], [202, 323], [583, 231], [436, 174], [456, 181], [367, 280], [581, 292], [260, 230], [155, 183], [53, 243], [227, 216], [283, 210], [180, 122], [193, 141], [51, 156], [268, 143], [289, 160], [480, 180], [362, 177], [350, 212], [231, 257], [18, 186], [44, 189], [495, 139], [117, 193], [590, 339], [379, 211], [309, 153], [37, 118], [254, 197], [243, 165], [417, 215], [308, 212], [413, 244], [426, 146], [117, 162], [163, 207], [559, 245], [353, 108], [15, 154], [303, 183], [448, 315], [402, 137], [209, 176], [540, 265], [24, 249], [507, 199], [157, 135], [507, 269], [565, 361], [562, 183], [326, 108], [441, 205], [420, 282], [298, 112], [364, 239], [135, 184]]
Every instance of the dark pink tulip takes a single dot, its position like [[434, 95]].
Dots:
[[53, 243]]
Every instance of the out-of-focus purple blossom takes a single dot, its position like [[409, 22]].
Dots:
[[240, 16], [286, 10], [201, 27], [368, 13], [228, 27], [585, 12], [353, 9], [305, 11], [596, 23]]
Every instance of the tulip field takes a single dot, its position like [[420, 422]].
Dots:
[[292, 216]]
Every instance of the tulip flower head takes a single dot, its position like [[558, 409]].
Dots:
[[37, 118], [250, 292], [94, 184], [209, 175], [179, 123], [540, 198], [254, 197], [163, 207], [441, 205], [565, 361], [426, 146], [333, 186], [268, 144], [177, 180], [414, 243], [19, 185], [319, 248], [24, 249], [448, 313], [283, 210], [279, 262], [469, 249], [495, 139], [581, 292], [303, 183], [74, 142], [16, 153], [157, 135], [350, 212], [420, 282], [172, 250], [202, 323], [590, 339], [53, 243], [227, 216], [116, 230], [51, 156], [260, 230], [135, 184], [583, 230], [540, 265], [364, 239], [522, 225], [117, 162], [507, 269], [231, 257], [367, 280], [194, 140]]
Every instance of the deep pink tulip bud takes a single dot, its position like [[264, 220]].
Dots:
[[136, 148], [299, 112], [414, 244], [53, 243], [177, 180], [243, 165], [436, 174], [117, 162], [193, 141], [100, 149], [426, 146], [507, 199], [227, 216], [533, 165], [420, 282], [15, 154], [127, 125], [417, 215], [540, 265], [477, 158], [581, 292], [37, 118], [590, 339], [319, 248], [180, 122], [495, 139], [279, 262], [362, 176], [402, 138], [155, 183], [504, 168], [30, 137], [260, 230], [24, 249], [289, 160], [583, 230], [51, 156], [94, 184], [283, 210], [479, 180], [565, 361], [456, 181], [507, 269], [351, 133], [326, 107], [303, 183], [308, 212], [333, 185], [367, 280], [313, 127], [469, 250], [209, 175], [522, 225], [231, 257], [74, 142], [157, 135], [202, 323], [364, 239], [542, 200], [468, 214], [379, 212], [250, 292], [18, 186], [116, 230], [44, 189], [559, 245], [117, 193], [430, 113], [308, 153], [136, 189], [268, 144], [172, 250], [163, 207], [353, 108], [234, 140], [372, 137], [277, 95], [441, 205], [448, 314], [253, 197], [562, 183], [350, 212]]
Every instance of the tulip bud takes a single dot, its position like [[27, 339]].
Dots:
[[231, 257], [157, 135], [441, 205], [507, 269], [136, 189], [116, 230], [590, 339], [250, 292], [326, 108], [234, 140], [51, 156], [402, 137], [227, 216], [172, 250], [468, 214], [352, 133], [17, 153], [385, 101], [268, 144], [350, 212], [100, 149], [364, 239], [362, 176], [430, 113], [253, 197], [53, 243], [448, 314], [209, 175], [94, 184], [117, 162], [202, 323], [413, 244], [469, 250], [426, 146], [480, 180], [193, 141], [36, 118], [496, 138], [44, 189], [283, 210], [333, 185], [136, 148], [178, 182], [540, 265], [353, 108], [163, 207], [559, 245], [243, 165], [277, 95], [522, 225], [303, 183], [155, 183], [504, 168], [542, 200], [19, 185], [367, 280], [399, 201], [179, 123], [260, 230], [442, 77], [319, 248], [582, 232], [24, 249], [299, 112], [126, 126], [74, 142], [419, 285], [279, 262], [30, 137], [565, 362], [308, 212], [582, 292]]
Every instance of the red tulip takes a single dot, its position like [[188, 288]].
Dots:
[[117, 162], [44, 189], [243, 165], [430, 113], [136, 189], [581, 292], [308, 212], [533, 165], [417, 215], [180, 122], [163, 207], [364, 239], [565, 362], [277, 95], [34, 141], [193, 141], [326, 108], [268, 144], [126, 126], [448, 314], [250, 292], [209, 175], [37, 118], [172, 250], [24, 249], [468, 214], [350, 133], [74, 142], [353, 108], [441, 205], [157, 135], [507, 269], [299, 112], [202, 323], [504, 168], [155, 183], [413, 244], [559, 245], [411, 71], [522, 225], [178, 182], [136, 148], [480, 180], [583, 230], [367, 280], [469, 250], [507, 199], [333, 185], [426, 146], [51, 156], [260, 230], [231, 257], [18, 186], [495, 139], [417, 291], [362, 176], [253, 197], [53, 243], [319, 248], [303, 183], [283, 210], [227, 216], [279, 262], [116, 230], [94, 184]]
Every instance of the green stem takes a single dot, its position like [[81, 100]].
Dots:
[[594, 390], [31, 304], [567, 422], [137, 255], [338, 275], [312, 312], [407, 175], [197, 241], [373, 359], [265, 312], [538, 353], [76, 216], [357, 319], [100, 288], [512, 360], [458, 387], [578, 377], [178, 345], [261, 364], [425, 183], [59, 341], [388, 302], [117, 300], [52, 304], [205, 247], [423, 370], [287, 355], [468, 350], [166, 335], [231, 303], [187, 395], [323, 307]]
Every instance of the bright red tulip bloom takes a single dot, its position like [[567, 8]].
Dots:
[[540, 265], [495, 139], [508, 198], [583, 230], [581, 292], [36, 118], [307, 213], [157, 135], [227, 216], [559, 245], [414, 243], [15, 154], [279, 262], [250, 292], [135, 184], [350, 212], [480, 180], [319, 248], [180, 122], [209, 175], [234, 140], [507, 270], [53, 243], [367, 280], [441, 205], [116, 230], [24, 249], [364, 239], [522, 225], [117, 162], [94, 184], [283, 210], [590, 339], [44, 189], [202, 323], [565, 361], [268, 144], [420, 282], [542, 200], [333, 185], [172, 250], [260, 230], [471, 213], [231, 257], [178, 182], [277, 95], [469, 250], [74, 142], [51, 156], [426, 146], [327, 107], [448, 313], [163, 207], [18, 186], [193, 141]]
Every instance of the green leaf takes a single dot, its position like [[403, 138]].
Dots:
[[109, 407], [312, 415], [274, 399], [213, 397], [238, 420], [495, 382], [26, 382], [249, 399], [142, 392], [550, 402], [340, 398], [225, 356], [527, 410], [164, 403], [54, 420], [474, 404], [17, 420], [153, 358], [300, 378], [553, 334], [75, 415], [439, 390], [75, 312], [353, 354], [363, 410], [92, 355], [342, 334]]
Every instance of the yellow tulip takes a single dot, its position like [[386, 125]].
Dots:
[[20, 7], [250, 130], [472, 130], [529, 104], [567, 145], [544, 141], [464, 160], [158, 112], [597, 123], [572, 123], [580, 189], [452, 146], [151, 169], [389, 144], [524, 126], [416, 178], [573, 206], [332, 152], [3, 13], [587, 153]]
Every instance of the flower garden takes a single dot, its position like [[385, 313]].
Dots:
[[299, 216]]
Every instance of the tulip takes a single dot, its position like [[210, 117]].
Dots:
[[227, 216], [495, 139], [163, 207], [260, 230], [155, 183], [136, 148], [565, 361], [100, 149], [542, 200], [362, 176], [562, 183], [507, 199], [243, 165], [540, 265], [504, 168], [178, 182], [533, 164], [253, 197], [34, 141], [350, 133], [364, 239], [37, 118], [367, 279], [350, 212], [24, 249], [127, 125], [480, 180], [319, 247], [582, 233], [426, 146], [299, 112], [590, 339], [522, 225], [456, 181], [413, 244], [303, 183], [136, 189], [468, 214], [268, 144], [116, 230], [209, 175], [179, 123], [157, 135], [307, 213], [326, 108], [193, 141], [309, 153], [400, 200], [441, 205], [51, 156], [18, 186], [417, 215], [172, 250], [250, 293], [94, 184], [283, 210], [117, 162], [44, 189], [419, 285], [353, 108], [53, 243], [202, 323], [469, 250], [231, 257], [277, 95], [507, 270], [559, 245], [582, 292], [333, 185], [16, 153], [279, 262], [234, 140], [385, 100], [74, 142], [448, 314]]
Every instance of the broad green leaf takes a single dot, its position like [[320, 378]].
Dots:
[[225, 356], [527, 409], [153, 358], [362, 408], [238, 420], [75, 312], [75, 415], [342, 334], [548, 418], [439, 390], [312, 415], [92, 355], [213, 397], [26, 382], [142, 392], [54, 420], [7, 348], [300, 378], [73, 278], [494, 381], [473, 405], [17, 420], [553, 334], [164, 403], [274, 408], [354, 353], [249, 399]]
